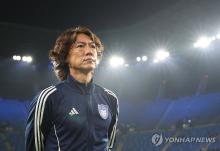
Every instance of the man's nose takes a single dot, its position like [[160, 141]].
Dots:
[[89, 50]]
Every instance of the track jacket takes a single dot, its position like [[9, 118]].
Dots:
[[72, 116]]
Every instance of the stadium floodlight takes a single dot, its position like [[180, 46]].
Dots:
[[156, 61], [27, 59], [203, 42], [24, 58], [161, 55], [144, 58], [138, 59], [16, 58], [218, 36], [116, 61]]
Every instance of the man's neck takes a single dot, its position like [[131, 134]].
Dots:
[[82, 77]]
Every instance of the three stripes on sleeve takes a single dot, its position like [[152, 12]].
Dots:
[[39, 112]]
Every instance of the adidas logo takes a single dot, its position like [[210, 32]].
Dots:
[[73, 112]]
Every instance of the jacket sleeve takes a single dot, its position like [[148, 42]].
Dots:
[[114, 121], [39, 121]]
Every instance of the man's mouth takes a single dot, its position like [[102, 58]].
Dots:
[[89, 60]]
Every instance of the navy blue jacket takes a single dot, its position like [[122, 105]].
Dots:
[[72, 116]]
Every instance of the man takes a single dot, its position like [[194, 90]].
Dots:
[[76, 114]]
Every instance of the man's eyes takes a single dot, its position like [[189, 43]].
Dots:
[[92, 45], [79, 45]]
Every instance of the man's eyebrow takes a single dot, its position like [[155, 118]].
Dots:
[[92, 42]]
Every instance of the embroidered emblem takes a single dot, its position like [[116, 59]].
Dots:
[[73, 112], [103, 111]]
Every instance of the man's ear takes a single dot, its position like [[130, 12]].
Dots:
[[99, 57], [99, 54]]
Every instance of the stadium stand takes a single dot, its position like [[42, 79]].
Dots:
[[195, 116]]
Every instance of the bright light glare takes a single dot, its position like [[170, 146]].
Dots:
[[97, 62], [156, 61], [116, 61], [203, 42], [161, 55], [16, 58], [27, 59], [126, 65], [24, 58], [138, 59], [213, 38], [144, 58]]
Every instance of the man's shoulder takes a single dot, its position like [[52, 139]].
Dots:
[[48, 91], [43, 95], [106, 91], [111, 93], [54, 89]]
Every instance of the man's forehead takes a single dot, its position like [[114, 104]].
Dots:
[[84, 38]]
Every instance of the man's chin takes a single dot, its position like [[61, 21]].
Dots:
[[88, 68]]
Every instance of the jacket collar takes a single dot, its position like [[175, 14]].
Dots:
[[80, 87]]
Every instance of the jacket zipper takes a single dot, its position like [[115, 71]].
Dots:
[[89, 123]]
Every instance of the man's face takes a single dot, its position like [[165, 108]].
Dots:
[[83, 54]]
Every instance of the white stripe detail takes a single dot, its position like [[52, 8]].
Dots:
[[35, 120], [58, 142], [41, 114], [39, 110], [112, 138], [113, 133], [73, 111], [110, 92]]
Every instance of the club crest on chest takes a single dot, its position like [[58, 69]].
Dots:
[[103, 111]]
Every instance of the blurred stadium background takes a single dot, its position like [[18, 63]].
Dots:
[[173, 93]]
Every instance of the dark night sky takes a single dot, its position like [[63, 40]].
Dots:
[[129, 28], [99, 14]]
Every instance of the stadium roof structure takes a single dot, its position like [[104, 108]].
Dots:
[[129, 28]]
